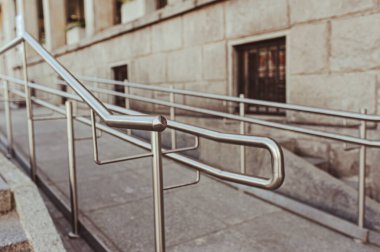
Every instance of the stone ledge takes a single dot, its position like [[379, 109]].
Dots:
[[32, 212]]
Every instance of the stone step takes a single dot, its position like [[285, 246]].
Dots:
[[12, 235], [5, 197]]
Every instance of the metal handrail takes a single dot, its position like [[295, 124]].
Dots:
[[253, 141], [226, 98], [154, 123], [128, 120], [363, 117], [287, 127]]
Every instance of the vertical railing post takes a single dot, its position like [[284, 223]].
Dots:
[[8, 119], [242, 131], [29, 112], [158, 196], [362, 174], [72, 170], [172, 117], [127, 101]]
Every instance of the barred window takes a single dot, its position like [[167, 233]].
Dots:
[[262, 73], [120, 73]]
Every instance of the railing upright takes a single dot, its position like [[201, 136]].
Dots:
[[29, 112], [242, 131], [362, 173], [172, 117], [8, 119], [127, 102], [158, 193], [72, 170]]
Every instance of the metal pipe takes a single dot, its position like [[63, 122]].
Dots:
[[8, 120], [287, 106], [172, 117], [155, 123], [29, 112], [72, 170], [158, 195], [362, 174], [127, 102], [296, 129], [263, 142], [242, 132]]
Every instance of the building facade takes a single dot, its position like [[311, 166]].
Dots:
[[317, 53]]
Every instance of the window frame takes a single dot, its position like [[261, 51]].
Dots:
[[233, 71]]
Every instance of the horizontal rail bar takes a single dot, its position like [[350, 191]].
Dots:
[[262, 142], [294, 107], [196, 181], [196, 146], [11, 44], [180, 126]]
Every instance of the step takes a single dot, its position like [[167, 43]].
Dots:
[[12, 235], [5, 197]]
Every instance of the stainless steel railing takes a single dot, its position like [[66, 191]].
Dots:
[[126, 119], [362, 141]]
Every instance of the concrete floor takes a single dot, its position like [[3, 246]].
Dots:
[[210, 216]]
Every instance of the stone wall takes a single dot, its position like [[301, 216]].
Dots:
[[332, 50]]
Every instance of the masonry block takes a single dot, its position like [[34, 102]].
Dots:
[[185, 65], [301, 11], [167, 35], [149, 69], [355, 43], [245, 17], [349, 92], [214, 61], [307, 48], [204, 25]]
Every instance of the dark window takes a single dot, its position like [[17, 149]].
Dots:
[[161, 3], [120, 73], [63, 88], [117, 11], [261, 74], [75, 11], [41, 26]]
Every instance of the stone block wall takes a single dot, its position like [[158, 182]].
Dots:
[[333, 55]]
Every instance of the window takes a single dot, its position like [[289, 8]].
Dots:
[[75, 11], [161, 3], [261, 74], [117, 11], [120, 73], [41, 26]]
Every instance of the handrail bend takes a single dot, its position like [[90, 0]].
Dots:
[[153, 123], [278, 173]]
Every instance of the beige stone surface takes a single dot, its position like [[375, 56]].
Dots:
[[149, 69], [214, 61], [32, 212], [245, 17], [355, 43], [167, 35], [349, 92], [204, 25], [301, 10], [185, 65], [307, 48]]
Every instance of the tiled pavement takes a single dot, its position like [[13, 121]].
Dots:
[[209, 216]]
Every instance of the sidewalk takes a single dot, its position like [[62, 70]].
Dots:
[[209, 216]]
